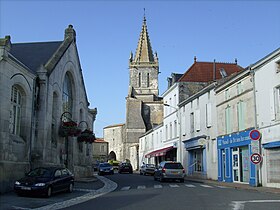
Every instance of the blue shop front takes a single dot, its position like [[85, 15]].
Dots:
[[196, 156], [234, 152]]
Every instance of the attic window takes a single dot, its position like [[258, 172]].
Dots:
[[223, 73], [277, 66]]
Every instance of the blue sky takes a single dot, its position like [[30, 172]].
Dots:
[[107, 31]]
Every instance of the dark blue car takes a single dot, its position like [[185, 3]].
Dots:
[[45, 181]]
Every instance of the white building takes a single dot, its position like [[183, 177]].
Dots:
[[199, 131], [267, 91]]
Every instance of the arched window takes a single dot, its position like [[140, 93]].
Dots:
[[15, 111], [67, 97]]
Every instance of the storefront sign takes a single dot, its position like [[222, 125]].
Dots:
[[234, 139]]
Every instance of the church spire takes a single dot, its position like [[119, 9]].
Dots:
[[144, 53]]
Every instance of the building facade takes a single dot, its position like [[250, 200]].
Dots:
[[266, 76], [99, 151], [42, 88], [235, 120]]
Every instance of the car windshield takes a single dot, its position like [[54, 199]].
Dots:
[[173, 166], [40, 172], [105, 165]]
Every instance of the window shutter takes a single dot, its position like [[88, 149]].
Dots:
[[208, 115], [197, 120], [272, 108]]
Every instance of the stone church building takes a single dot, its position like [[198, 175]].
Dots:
[[144, 107], [42, 89]]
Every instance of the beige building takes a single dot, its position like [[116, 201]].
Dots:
[[100, 150], [42, 89]]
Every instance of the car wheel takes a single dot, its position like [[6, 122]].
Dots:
[[49, 192], [130, 172], [155, 178], [161, 179], [140, 173], [70, 188]]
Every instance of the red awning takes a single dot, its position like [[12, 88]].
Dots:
[[159, 152]]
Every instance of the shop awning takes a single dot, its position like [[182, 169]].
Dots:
[[159, 152]]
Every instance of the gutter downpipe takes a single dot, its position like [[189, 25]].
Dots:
[[32, 122], [258, 166]]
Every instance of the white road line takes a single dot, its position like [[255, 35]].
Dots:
[[239, 205], [157, 186], [125, 188], [174, 185], [189, 185], [207, 186], [141, 187], [222, 187]]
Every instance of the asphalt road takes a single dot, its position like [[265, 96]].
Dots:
[[136, 192], [142, 192]]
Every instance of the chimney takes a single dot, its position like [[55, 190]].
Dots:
[[214, 70]]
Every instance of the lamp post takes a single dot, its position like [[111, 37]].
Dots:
[[179, 124]]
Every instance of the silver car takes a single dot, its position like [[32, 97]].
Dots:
[[147, 168], [169, 170]]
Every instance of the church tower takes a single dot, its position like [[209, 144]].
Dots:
[[144, 108]]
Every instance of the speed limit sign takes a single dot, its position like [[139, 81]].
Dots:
[[256, 158]]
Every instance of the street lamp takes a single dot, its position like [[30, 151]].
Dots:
[[179, 124]]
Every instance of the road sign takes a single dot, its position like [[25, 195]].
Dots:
[[255, 147], [256, 158], [255, 135]]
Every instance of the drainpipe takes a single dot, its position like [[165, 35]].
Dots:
[[32, 122]]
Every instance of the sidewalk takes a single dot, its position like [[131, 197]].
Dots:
[[234, 185]]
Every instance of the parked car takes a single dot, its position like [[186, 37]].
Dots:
[[105, 168], [169, 170], [147, 168], [45, 181], [125, 167]]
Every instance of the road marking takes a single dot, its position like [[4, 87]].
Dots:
[[126, 188], [157, 186], [207, 186], [239, 205], [189, 185], [222, 187], [174, 185], [141, 187]]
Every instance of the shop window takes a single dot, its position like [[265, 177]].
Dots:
[[15, 111]]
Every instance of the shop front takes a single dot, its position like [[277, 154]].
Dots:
[[234, 165], [167, 153], [196, 153]]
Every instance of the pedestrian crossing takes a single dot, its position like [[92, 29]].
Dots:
[[158, 186]]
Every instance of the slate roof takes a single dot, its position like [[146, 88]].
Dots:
[[34, 54], [204, 71]]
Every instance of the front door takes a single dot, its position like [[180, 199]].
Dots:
[[235, 164]]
